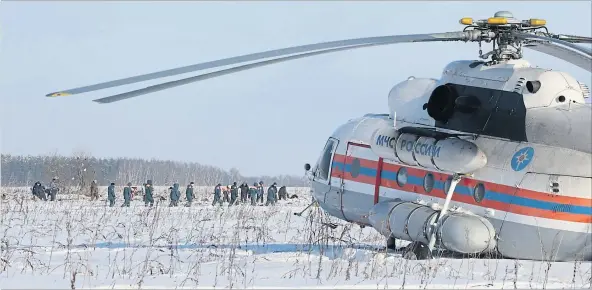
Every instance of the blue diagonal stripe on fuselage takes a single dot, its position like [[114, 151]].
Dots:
[[464, 190]]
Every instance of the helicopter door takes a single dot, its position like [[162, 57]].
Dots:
[[359, 182]]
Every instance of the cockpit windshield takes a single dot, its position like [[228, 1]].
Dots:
[[324, 162]]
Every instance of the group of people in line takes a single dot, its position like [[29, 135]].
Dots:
[[222, 194], [255, 193]]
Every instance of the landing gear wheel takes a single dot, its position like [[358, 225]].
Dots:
[[417, 251], [390, 244]]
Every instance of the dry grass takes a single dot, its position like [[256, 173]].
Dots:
[[78, 243]]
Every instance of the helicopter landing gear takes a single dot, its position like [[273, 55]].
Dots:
[[417, 251], [328, 224], [456, 178], [306, 208], [390, 244]]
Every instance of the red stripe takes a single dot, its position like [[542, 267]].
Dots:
[[347, 176], [512, 208], [500, 188], [378, 179]]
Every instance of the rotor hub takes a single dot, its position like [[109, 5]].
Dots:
[[505, 14], [499, 30]]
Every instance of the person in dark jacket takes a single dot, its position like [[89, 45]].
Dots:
[[42, 191], [244, 192], [254, 192], [38, 191], [127, 195], [189, 195], [271, 195], [34, 190], [217, 194], [233, 194], [175, 195], [149, 194], [111, 194], [94, 190], [283, 193], [53, 189]]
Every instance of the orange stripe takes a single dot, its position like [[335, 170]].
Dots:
[[499, 188], [512, 208], [360, 178]]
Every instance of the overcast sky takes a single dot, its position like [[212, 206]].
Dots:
[[269, 120]]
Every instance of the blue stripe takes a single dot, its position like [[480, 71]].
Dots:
[[464, 190], [363, 170]]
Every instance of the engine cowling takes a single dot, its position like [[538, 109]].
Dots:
[[449, 154]]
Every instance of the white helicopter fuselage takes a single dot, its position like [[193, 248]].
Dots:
[[525, 155]]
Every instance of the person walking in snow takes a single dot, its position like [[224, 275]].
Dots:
[[174, 195], [271, 195], [127, 195], [244, 192], [94, 190], [254, 192], [148, 194], [261, 192], [111, 194], [217, 194], [189, 195], [233, 194], [53, 189], [283, 193]]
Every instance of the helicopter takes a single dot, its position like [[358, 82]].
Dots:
[[494, 157]]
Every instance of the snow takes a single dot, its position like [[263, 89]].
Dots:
[[76, 241]]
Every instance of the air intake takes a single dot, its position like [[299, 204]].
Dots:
[[585, 90], [519, 85]]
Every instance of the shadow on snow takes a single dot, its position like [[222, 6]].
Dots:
[[330, 251]]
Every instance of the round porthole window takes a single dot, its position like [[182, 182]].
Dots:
[[428, 182], [402, 176], [355, 168], [479, 192], [447, 184]]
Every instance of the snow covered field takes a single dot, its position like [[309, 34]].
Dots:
[[83, 244]]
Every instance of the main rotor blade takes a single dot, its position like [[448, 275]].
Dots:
[[447, 36], [570, 38], [172, 84], [572, 53]]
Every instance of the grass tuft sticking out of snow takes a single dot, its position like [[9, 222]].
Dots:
[[77, 243]]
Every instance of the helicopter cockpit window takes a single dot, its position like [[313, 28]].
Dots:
[[325, 161]]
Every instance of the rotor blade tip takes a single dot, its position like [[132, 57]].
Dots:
[[100, 101], [58, 94]]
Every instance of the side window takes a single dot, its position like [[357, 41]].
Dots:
[[325, 160]]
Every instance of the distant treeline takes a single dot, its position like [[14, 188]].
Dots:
[[80, 170]]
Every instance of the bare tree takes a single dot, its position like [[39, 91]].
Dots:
[[78, 169]]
